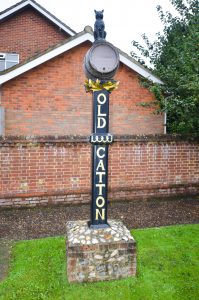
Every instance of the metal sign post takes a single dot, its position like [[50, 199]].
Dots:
[[100, 65]]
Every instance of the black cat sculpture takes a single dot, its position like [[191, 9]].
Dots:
[[99, 32]]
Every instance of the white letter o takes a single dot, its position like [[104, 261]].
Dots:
[[97, 201], [103, 100]]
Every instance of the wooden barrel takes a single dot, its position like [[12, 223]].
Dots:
[[101, 61]]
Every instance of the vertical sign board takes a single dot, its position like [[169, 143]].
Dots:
[[100, 140], [100, 65]]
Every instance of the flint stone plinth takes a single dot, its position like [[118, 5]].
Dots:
[[99, 254]]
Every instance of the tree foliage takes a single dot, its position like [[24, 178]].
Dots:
[[175, 59]]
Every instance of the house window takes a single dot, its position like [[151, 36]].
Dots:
[[8, 60]]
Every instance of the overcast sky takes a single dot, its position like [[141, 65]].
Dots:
[[124, 20]]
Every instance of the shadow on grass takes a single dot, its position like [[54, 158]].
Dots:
[[5, 250]]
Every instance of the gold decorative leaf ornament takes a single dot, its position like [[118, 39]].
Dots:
[[92, 86]]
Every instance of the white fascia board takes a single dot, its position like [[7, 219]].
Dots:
[[43, 12], [41, 59], [140, 70], [14, 9], [67, 46], [66, 29]]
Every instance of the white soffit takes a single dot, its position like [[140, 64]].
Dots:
[[39, 9]]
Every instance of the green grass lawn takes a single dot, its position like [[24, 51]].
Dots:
[[168, 269]]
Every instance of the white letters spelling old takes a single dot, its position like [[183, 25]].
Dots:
[[101, 121]]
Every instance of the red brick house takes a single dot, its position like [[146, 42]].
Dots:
[[42, 94]]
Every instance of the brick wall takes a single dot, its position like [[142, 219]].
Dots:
[[51, 99], [57, 170], [28, 33]]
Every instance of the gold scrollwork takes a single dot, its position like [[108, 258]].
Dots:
[[97, 85]]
